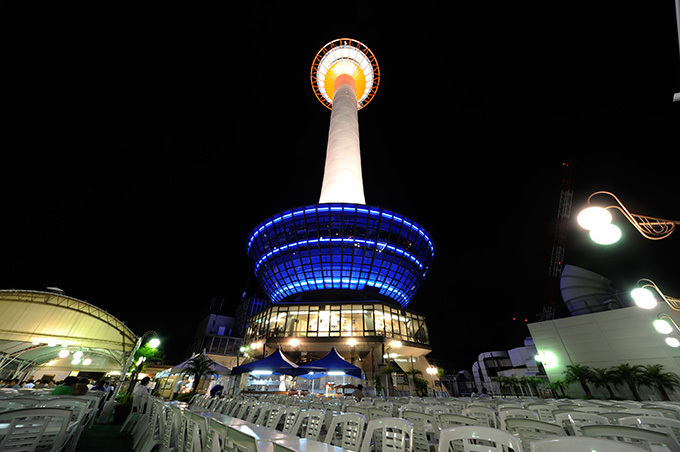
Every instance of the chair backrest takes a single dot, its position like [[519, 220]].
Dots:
[[48, 440], [659, 424], [272, 415], [581, 444], [509, 413], [11, 404], [450, 420], [310, 422], [486, 416], [492, 439], [410, 407], [239, 441], [79, 407], [288, 418], [572, 421], [363, 410], [196, 431], [423, 423], [456, 405], [377, 413], [24, 436], [245, 406], [175, 428], [346, 431], [217, 436], [544, 411], [637, 436], [393, 435], [528, 430]]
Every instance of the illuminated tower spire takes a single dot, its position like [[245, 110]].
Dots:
[[345, 77]]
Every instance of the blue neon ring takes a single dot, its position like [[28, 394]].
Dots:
[[348, 247]]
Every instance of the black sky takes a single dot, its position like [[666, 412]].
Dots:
[[142, 145]]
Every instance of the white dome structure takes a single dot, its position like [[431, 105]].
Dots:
[[585, 292]]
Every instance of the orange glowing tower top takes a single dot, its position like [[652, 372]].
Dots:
[[345, 77]]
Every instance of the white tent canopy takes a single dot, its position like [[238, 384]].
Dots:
[[35, 326]]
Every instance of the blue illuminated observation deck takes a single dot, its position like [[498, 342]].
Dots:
[[340, 252]]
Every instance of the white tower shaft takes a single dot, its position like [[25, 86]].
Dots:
[[342, 181]]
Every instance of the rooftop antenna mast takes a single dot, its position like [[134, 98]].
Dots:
[[560, 237]]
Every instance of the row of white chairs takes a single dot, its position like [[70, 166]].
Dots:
[[518, 422], [56, 421]]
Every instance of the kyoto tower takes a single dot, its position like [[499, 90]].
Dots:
[[341, 267], [341, 246]]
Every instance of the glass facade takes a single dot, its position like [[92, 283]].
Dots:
[[350, 247], [338, 320]]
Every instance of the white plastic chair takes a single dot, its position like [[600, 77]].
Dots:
[[572, 421], [284, 419], [477, 438], [392, 435], [513, 413], [581, 444], [529, 430], [451, 420], [196, 431], [346, 431], [378, 413], [659, 424], [80, 411], [311, 422], [238, 441], [410, 407], [637, 436], [456, 405], [10, 404], [544, 411], [44, 428], [486, 416], [175, 426], [425, 430]]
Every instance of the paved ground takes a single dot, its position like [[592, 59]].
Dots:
[[104, 438]]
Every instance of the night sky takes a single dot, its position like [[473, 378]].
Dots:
[[141, 146]]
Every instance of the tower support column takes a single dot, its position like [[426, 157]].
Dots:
[[342, 181]]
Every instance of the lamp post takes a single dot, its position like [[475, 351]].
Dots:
[[644, 298], [598, 221], [664, 323], [153, 343]]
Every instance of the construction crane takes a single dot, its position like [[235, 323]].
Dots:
[[560, 238]]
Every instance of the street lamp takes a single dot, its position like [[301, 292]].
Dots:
[[598, 220], [153, 343], [644, 298]]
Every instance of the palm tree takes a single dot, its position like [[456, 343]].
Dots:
[[515, 383], [503, 382], [630, 375], [653, 376], [536, 383], [555, 385], [602, 377], [580, 373], [199, 366]]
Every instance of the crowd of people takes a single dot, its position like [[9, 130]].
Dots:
[[68, 386]]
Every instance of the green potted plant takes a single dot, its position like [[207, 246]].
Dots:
[[122, 408]]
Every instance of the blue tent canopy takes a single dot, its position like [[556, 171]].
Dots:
[[276, 364], [330, 364]]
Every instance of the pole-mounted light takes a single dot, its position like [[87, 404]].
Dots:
[[598, 220], [644, 298]]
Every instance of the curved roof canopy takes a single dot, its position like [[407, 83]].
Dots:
[[35, 326]]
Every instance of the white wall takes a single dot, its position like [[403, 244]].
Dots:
[[607, 339]]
